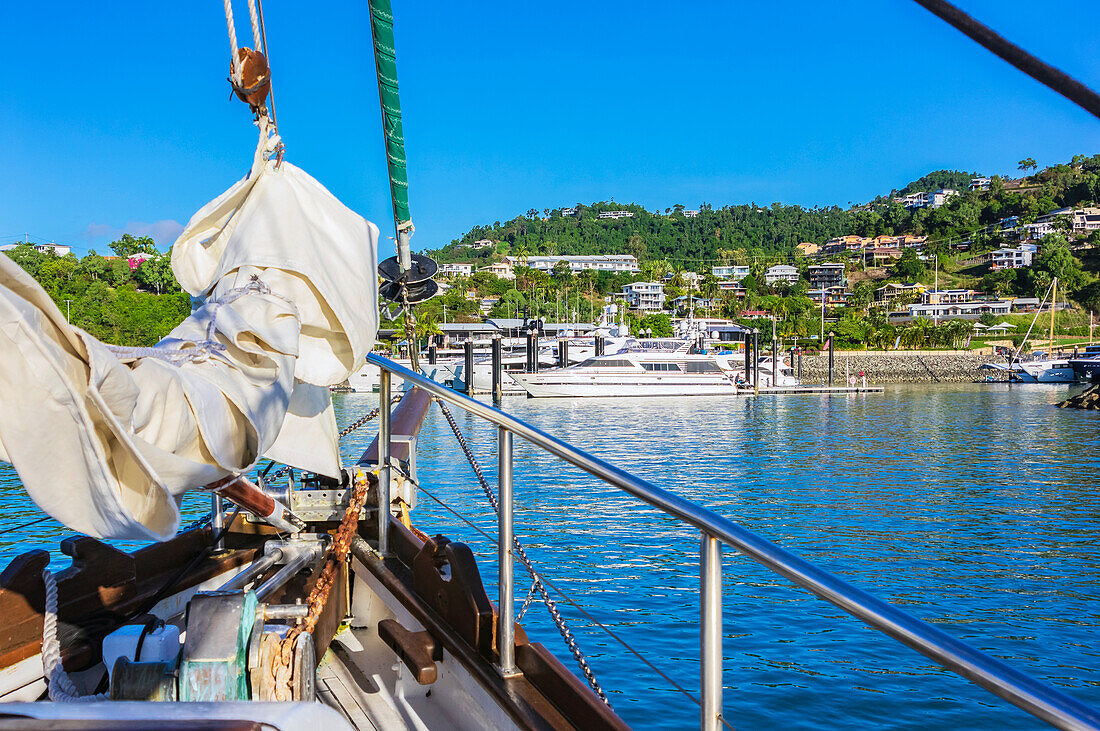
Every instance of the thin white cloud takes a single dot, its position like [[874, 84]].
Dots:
[[97, 230], [163, 232]]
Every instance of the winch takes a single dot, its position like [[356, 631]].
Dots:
[[230, 635]]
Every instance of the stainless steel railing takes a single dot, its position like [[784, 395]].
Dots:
[[1033, 696]]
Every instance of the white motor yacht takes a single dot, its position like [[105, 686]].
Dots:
[[580, 349], [768, 377], [637, 373], [367, 378]]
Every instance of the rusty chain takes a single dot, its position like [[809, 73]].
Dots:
[[281, 666]]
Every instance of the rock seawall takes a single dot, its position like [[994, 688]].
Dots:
[[895, 367], [1090, 400]]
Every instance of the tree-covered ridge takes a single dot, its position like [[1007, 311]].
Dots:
[[741, 233], [953, 179], [106, 296]]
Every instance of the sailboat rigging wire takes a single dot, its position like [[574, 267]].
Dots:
[[517, 550], [1037, 69], [270, 85], [1020, 347], [25, 525], [539, 578]]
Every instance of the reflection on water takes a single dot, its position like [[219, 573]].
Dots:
[[970, 505]]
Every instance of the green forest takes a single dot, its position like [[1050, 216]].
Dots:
[[107, 298], [139, 305], [744, 233]]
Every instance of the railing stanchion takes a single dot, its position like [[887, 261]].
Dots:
[[710, 638], [505, 536], [1040, 699], [217, 520], [384, 463]]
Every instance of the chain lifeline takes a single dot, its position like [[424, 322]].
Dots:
[[281, 662], [551, 605], [364, 419]]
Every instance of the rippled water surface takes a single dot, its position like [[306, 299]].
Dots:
[[971, 506]]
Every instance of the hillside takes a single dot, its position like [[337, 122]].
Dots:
[[110, 298], [740, 233]]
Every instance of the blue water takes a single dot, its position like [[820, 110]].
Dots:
[[971, 506]]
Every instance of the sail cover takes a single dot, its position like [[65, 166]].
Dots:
[[106, 440]]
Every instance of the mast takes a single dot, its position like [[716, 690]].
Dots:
[[1053, 300], [385, 59]]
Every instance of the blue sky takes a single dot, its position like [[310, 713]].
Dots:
[[117, 117]]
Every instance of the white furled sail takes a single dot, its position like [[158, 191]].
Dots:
[[106, 440]]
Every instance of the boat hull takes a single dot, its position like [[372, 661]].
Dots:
[[563, 384]]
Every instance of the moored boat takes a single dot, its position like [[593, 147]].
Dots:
[[637, 373]]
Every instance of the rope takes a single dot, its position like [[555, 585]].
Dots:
[[521, 554], [253, 15], [59, 685], [234, 60], [1041, 71]]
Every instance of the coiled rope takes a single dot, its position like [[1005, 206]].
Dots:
[[58, 683]]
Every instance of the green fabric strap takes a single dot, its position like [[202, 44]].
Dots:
[[385, 60]]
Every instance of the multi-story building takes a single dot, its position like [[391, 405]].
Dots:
[[734, 272], [456, 270], [827, 275], [947, 296], [970, 310], [569, 211], [1086, 219], [599, 263], [615, 214], [51, 248], [1083, 219], [1014, 258], [930, 199], [645, 295], [808, 248], [734, 287], [1037, 230], [888, 295], [781, 273], [980, 183], [844, 243], [883, 255], [909, 241], [690, 214], [500, 269], [480, 244], [834, 296], [690, 279]]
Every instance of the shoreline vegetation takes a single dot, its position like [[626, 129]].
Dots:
[[672, 245], [131, 297]]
